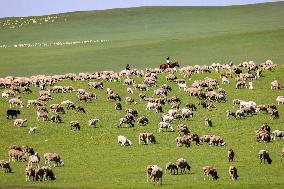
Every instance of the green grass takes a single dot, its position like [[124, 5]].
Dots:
[[143, 37]]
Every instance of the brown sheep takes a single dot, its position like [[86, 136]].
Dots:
[[15, 155], [233, 172], [171, 167], [264, 155], [209, 170], [155, 173], [74, 125], [53, 157], [182, 164], [30, 173], [231, 155], [5, 166]]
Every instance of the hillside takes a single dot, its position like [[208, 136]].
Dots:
[[144, 36]]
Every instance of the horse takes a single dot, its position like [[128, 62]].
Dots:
[[165, 66]]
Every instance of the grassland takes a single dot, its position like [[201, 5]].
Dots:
[[143, 37]]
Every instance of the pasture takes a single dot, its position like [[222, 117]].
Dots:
[[143, 37]]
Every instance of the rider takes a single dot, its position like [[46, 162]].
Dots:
[[127, 67], [168, 61]]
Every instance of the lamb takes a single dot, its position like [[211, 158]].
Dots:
[[277, 133], [264, 155], [186, 113], [225, 80], [19, 122], [32, 130], [155, 173], [280, 100], [30, 173], [16, 101], [208, 122], [34, 159], [231, 155], [53, 157], [209, 170], [93, 122], [171, 167], [146, 138], [142, 121], [183, 129], [233, 172], [15, 154], [5, 166], [74, 125], [165, 125], [43, 115], [123, 141], [184, 140], [182, 164], [130, 100], [55, 118]]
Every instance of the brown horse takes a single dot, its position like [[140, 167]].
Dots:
[[165, 66]]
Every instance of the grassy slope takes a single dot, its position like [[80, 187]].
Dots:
[[144, 36]]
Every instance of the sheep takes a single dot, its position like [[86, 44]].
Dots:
[[264, 155], [55, 118], [43, 115], [191, 106], [167, 117], [15, 155], [209, 170], [19, 122], [165, 125], [184, 140], [32, 130], [93, 122], [277, 133], [171, 167], [155, 173], [231, 155], [74, 125], [142, 121], [16, 101], [233, 172], [12, 113], [182, 164], [183, 129], [125, 120], [117, 106], [225, 80], [5, 166], [280, 100], [186, 113], [250, 86], [208, 122], [30, 173], [275, 85], [34, 159], [130, 100], [146, 138], [53, 157], [282, 154], [130, 90], [216, 140], [123, 141]]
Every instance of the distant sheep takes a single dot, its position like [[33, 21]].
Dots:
[[19, 122], [233, 172], [264, 155], [93, 122], [123, 141], [209, 170]]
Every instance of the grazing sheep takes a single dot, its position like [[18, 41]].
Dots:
[[146, 138], [53, 157], [155, 174], [282, 154], [130, 100], [93, 122], [280, 100], [166, 126], [277, 133], [130, 90], [183, 129], [142, 121], [5, 166], [216, 140], [19, 122], [13, 113], [126, 120], [191, 106], [123, 141], [208, 122], [80, 109], [117, 106], [182, 164], [275, 85], [264, 155], [16, 101], [233, 172], [184, 140], [74, 125], [30, 173], [34, 159], [15, 155], [32, 130], [171, 167], [55, 118], [231, 155], [43, 115], [209, 170]]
